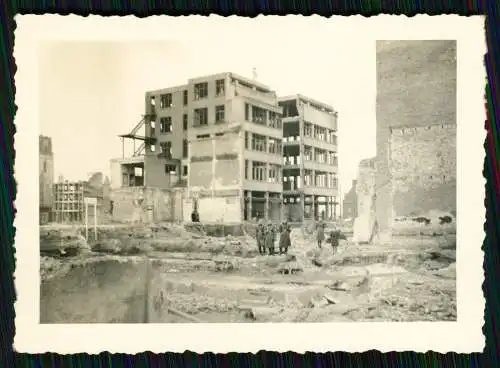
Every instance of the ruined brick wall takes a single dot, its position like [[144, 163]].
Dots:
[[416, 86], [422, 164]]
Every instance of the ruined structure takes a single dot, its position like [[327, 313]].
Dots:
[[220, 139], [350, 203], [46, 178], [364, 224], [416, 129], [69, 197], [310, 172]]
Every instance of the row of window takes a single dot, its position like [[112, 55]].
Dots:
[[320, 156], [200, 92], [69, 197], [262, 143], [320, 133], [68, 187], [261, 116], [68, 206], [200, 118], [261, 171], [324, 180], [166, 149]]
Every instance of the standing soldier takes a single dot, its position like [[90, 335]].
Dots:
[[270, 238], [335, 236], [320, 233], [260, 237], [284, 242]]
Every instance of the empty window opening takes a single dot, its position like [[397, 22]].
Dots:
[[166, 100], [258, 171], [259, 142], [200, 91], [219, 87], [185, 122], [220, 113], [274, 173], [219, 134], [275, 146], [259, 115], [170, 169], [185, 148], [202, 136], [289, 109], [185, 97], [166, 124], [138, 171], [201, 116], [166, 149], [274, 120], [185, 170]]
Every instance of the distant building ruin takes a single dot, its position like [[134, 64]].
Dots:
[[46, 178]]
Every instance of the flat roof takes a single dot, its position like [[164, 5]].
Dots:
[[307, 99], [250, 81]]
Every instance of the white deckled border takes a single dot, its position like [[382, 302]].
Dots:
[[463, 336]]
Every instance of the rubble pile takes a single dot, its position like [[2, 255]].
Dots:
[[411, 279]]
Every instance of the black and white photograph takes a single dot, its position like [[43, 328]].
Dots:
[[213, 178]]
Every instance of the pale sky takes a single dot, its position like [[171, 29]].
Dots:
[[92, 91]]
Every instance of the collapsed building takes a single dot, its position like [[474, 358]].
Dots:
[[416, 134], [217, 145]]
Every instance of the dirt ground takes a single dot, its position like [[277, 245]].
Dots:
[[169, 273]]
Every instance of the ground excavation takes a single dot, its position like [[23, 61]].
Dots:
[[194, 273]]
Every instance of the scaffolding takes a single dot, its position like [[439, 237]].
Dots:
[[146, 140]]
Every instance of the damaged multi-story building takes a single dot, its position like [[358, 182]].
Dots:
[[220, 138], [310, 172], [415, 164]]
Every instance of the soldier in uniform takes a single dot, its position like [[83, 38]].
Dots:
[[320, 233], [260, 237], [334, 238], [270, 238], [284, 242]]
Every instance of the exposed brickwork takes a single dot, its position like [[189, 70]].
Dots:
[[416, 86], [423, 169]]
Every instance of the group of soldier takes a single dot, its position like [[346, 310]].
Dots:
[[267, 235]]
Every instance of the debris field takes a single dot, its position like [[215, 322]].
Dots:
[[167, 273]]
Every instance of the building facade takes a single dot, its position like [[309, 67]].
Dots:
[[46, 178], [221, 137], [416, 112], [310, 172]]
